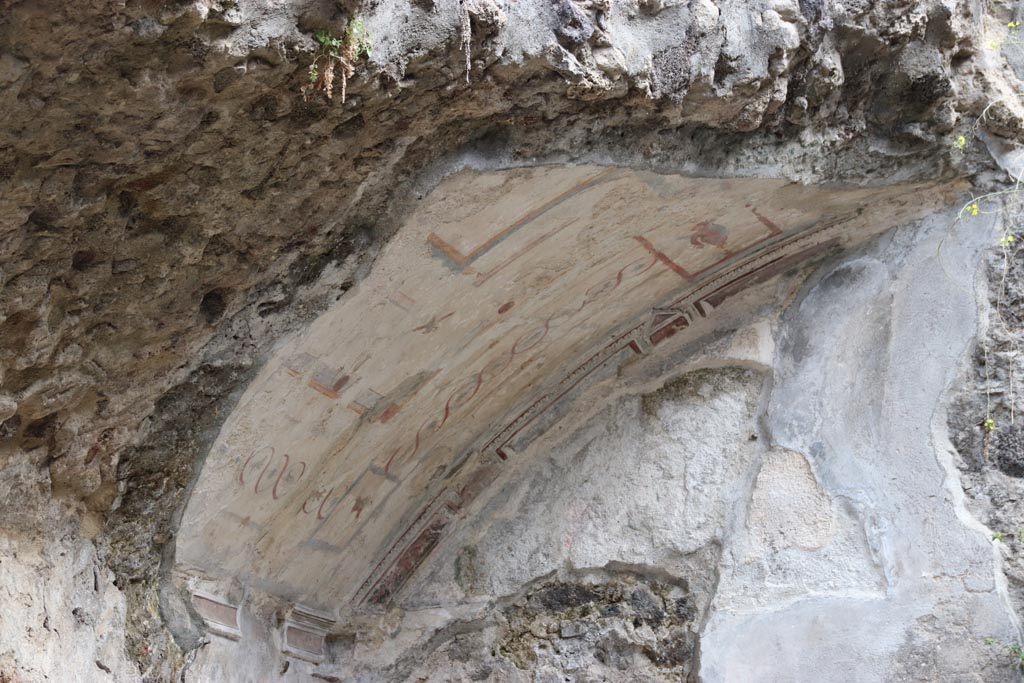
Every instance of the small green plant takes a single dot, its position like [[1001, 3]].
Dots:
[[1002, 536], [989, 424], [1016, 652], [988, 202], [337, 57], [1012, 36]]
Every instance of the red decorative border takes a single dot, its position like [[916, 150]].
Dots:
[[428, 528]]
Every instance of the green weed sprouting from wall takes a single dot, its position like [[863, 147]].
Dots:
[[336, 57], [1010, 203], [1015, 652], [1011, 38]]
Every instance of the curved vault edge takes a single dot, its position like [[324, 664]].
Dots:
[[690, 244]]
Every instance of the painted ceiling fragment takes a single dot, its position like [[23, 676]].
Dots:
[[506, 293]]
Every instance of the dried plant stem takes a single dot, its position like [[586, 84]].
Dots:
[[467, 37]]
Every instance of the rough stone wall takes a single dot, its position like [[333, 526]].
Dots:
[[63, 615], [170, 206], [991, 455]]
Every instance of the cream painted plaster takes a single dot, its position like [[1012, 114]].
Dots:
[[367, 435]]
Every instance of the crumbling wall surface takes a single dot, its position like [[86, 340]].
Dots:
[[63, 617], [170, 206], [985, 420]]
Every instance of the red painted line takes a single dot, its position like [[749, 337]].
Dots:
[[772, 228], [484, 277], [672, 265], [392, 555]]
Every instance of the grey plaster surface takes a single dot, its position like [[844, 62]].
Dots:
[[864, 362]]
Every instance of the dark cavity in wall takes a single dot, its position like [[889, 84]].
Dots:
[[619, 621]]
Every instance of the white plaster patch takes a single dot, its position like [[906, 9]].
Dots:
[[789, 509]]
